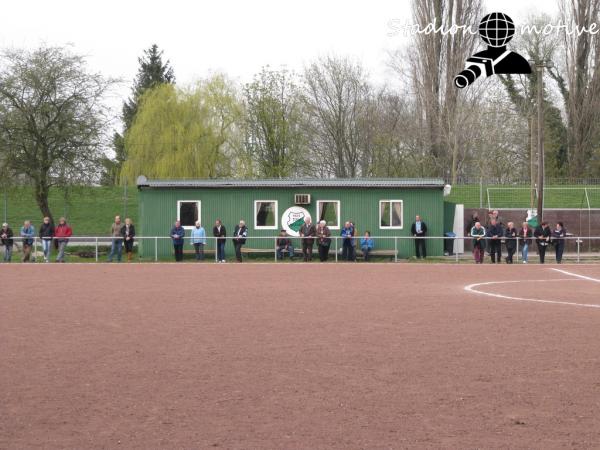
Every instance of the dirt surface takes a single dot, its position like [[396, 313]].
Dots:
[[297, 357]]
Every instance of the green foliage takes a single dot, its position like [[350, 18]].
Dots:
[[274, 139], [183, 133]]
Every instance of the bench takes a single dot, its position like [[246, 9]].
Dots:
[[390, 253]]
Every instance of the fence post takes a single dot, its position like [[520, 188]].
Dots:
[[456, 253], [96, 249], [155, 248], [517, 248], [216, 249], [480, 192], [276, 250], [395, 248], [336, 248], [35, 249], [578, 241]]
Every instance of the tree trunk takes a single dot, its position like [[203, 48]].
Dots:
[[41, 197]]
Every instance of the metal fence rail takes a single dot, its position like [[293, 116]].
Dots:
[[574, 245]]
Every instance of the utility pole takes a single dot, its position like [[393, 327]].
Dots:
[[539, 67]]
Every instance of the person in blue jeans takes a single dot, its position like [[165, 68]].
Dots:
[[116, 246], [177, 235], [525, 235], [367, 244], [198, 240], [284, 244], [348, 242], [27, 233], [221, 234]]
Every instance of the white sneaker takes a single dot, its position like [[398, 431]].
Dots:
[[524, 262], [223, 261]]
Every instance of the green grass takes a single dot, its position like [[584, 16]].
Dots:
[[89, 210]]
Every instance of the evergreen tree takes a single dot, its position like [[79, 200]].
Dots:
[[152, 72]]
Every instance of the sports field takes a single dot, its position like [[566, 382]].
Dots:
[[299, 356]]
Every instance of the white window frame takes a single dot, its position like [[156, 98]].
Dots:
[[339, 213], [198, 202], [390, 227], [261, 227]]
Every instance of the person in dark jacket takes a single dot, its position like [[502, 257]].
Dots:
[[128, 235], [240, 233], [307, 233], [284, 244], [220, 233], [558, 239], [6, 235], [323, 240], [542, 237], [511, 241], [419, 230], [46, 235], [525, 234], [348, 253], [495, 234], [177, 235]]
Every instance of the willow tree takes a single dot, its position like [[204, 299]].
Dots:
[[183, 133]]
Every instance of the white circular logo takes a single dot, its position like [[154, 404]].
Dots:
[[292, 219]]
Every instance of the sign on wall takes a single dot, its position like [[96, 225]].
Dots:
[[292, 219]]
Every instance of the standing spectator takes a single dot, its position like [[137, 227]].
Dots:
[[419, 229], [177, 235], [307, 233], [27, 233], [525, 233], [6, 234], [46, 235], [284, 244], [472, 222], [128, 235], [495, 234], [558, 239], [478, 235], [221, 234], [239, 238], [511, 241], [323, 240], [542, 236], [198, 240], [367, 244], [62, 233], [348, 242], [116, 245]]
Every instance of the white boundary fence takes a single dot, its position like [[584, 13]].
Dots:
[[97, 242]]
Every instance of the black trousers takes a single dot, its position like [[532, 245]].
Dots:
[[323, 252], [238, 250], [178, 252], [307, 249], [559, 248], [511, 251], [420, 249], [542, 252], [348, 250], [129, 246], [495, 248]]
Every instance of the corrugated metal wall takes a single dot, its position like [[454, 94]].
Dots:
[[158, 211]]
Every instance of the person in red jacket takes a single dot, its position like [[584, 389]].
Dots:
[[62, 233]]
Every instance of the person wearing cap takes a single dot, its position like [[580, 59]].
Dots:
[[62, 233], [46, 235], [6, 235], [284, 244], [27, 233]]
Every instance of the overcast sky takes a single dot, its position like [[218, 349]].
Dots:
[[237, 37]]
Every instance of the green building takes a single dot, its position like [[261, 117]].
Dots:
[[385, 207]]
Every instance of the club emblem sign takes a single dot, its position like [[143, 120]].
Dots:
[[292, 219]]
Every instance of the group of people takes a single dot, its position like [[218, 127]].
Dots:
[[491, 238], [48, 234]]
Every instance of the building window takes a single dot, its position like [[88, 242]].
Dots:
[[329, 211], [390, 214], [188, 212], [265, 214]]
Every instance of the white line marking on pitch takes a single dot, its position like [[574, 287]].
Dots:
[[471, 288], [583, 277]]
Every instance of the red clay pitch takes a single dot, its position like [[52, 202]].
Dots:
[[296, 356]]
